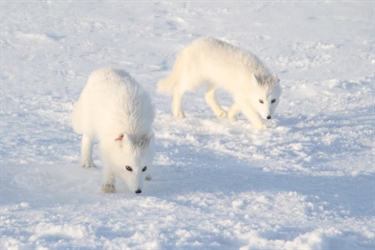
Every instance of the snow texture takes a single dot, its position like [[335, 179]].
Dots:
[[305, 183]]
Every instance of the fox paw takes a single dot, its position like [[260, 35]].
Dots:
[[108, 188], [179, 114], [88, 165], [221, 114], [264, 126], [232, 118]]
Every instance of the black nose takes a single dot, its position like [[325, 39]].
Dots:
[[268, 117], [138, 191]]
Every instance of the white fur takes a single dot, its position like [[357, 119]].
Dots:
[[222, 65], [116, 111]]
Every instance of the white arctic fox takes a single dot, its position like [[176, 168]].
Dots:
[[254, 89], [117, 112]]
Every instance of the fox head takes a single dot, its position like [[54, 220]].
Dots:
[[265, 96], [131, 157]]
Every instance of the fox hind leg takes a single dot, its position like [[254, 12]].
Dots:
[[210, 97], [177, 107]]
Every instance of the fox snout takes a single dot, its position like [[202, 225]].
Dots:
[[138, 191], [268, 117]]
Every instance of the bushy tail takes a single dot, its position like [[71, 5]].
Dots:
[[167, 84]]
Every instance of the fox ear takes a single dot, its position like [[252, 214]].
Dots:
[[146, 139], [256, 79], [119, 138]]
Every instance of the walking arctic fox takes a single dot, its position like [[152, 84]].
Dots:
[[208, 60], [115, 110]]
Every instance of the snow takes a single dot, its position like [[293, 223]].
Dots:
[[305, 183]]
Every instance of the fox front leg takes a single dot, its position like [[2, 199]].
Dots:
[[109, 183]]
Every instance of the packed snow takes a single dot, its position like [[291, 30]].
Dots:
[[305, 183]]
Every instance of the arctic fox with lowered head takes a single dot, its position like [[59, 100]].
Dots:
[[255, 90], [117, 112]]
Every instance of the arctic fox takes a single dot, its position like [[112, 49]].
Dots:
[[116, 111], [208, 60]]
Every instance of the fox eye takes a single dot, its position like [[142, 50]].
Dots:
[[129, 168], [261, 101], [144, 169], [273, 101]]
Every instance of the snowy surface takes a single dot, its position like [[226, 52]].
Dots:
[[305, 183]]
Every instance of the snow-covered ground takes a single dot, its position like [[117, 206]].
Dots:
[[305, 183]]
